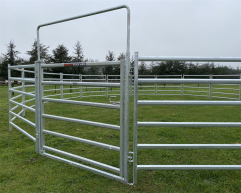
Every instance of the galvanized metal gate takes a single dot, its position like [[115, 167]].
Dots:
[[122, 128], [124, 109], [138, 124]]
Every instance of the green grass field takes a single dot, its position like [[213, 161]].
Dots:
[[23, 170]]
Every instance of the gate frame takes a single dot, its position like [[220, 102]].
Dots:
[[39, 94]]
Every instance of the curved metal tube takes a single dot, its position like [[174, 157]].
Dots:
[[86, 15]]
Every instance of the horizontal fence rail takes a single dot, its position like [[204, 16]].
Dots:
[[185, 90]]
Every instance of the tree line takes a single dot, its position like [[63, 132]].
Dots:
[[61, 55]]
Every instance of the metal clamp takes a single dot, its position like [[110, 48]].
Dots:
[[130, 157]]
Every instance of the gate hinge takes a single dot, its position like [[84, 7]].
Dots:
[[130, 157]]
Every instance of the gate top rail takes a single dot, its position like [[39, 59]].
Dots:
[[112, 63], [188, 58], [86, 15]]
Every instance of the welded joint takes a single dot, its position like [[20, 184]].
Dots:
[[130, 156], [37, 135]]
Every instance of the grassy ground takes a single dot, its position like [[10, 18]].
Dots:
[[23, 170]]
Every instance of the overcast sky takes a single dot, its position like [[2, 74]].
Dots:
[[209, 28]]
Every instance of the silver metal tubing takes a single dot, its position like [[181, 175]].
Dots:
[[51, 73], [169, 90], [69, 98], [86, 15], [17, 97], [12, 109], [86, 141], [189, 167], [18, 69], [172, 94], [93, 95], [22, 105], [189, 124], [196, 91], [195, 95], [23, 66], [51, 90], [195, 87], [191, 81], [68, 88], [15, 116], [93, 75], [112, 63], [71, 75], [22, 79], [93, 79], [23, 119], [103, 105], [172, 102], [225, 98], [93, 92], [29, 100], [99, 84], [84, 122], [21, 92], [29, 71], [238, 75], [189, 146], [33, 85], [22, 131], [100, 172], [17, 87], [135, 117], [89, 161], [71, 93], [225, 93], [53, 95], [225, 88], [187, 58]]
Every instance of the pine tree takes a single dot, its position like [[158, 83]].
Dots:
[[78, 57], [109, 57], [11, 57], [44, 56], [60, 55]]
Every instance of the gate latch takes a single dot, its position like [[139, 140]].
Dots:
[[113, 102], [130, 157]]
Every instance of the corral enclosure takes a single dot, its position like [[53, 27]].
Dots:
[[170, 123], [154, 135]]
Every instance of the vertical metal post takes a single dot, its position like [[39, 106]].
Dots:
[[37, 104], [182, 86], [23, 89], [135, 119], [42, 136], [61, 86], [155, 86], [240, 90], [122, 72], [106, 88], [210, 88], [130, 81], [80, 88], [126, 119], [9, 97]]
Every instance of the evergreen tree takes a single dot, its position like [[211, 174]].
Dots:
[[60, 55], [33, 53], [11, 57], [78, 57], [142, 69], [109, 57]]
